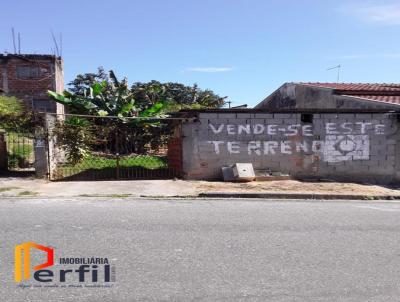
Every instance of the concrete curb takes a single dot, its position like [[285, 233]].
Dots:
[[297, 196]]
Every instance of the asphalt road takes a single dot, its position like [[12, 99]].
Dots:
[[203, 250]]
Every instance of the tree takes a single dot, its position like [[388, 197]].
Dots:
[[177, 95], [109, 97], [82, 82], [99, 94]]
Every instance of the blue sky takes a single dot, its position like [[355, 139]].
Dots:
[[243, 49]]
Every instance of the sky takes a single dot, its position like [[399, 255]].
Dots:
[[243, 49]]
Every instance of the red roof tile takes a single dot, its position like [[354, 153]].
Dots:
[[386, 93], [380, 98]]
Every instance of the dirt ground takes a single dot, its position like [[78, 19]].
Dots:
[[294, 186], [167, 188]]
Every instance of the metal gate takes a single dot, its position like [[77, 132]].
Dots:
[[20, 153], [95, 148]]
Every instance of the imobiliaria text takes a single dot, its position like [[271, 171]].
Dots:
[[93, 270]]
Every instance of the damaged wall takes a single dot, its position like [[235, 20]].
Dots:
[[342, 146], [29, 77], [297, 96]]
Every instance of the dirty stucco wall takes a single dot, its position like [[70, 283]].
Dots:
[[345, 146], [296, 96]]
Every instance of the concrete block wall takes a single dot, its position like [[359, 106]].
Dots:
[[344, 146]]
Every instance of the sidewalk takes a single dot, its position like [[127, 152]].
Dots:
[[174, 188]]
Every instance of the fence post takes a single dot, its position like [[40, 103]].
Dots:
[[117, 153], [3, 152], [41, 155], [175, 153]]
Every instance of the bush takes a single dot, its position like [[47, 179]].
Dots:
[[10, 106], [75, 137], [12, 116]]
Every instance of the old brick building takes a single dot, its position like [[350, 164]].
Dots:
[[29, 76]]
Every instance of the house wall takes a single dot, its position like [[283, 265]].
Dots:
[[296, 96], [32, 90], [344, 146]]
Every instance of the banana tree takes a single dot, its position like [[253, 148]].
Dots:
[[114, 98], [107, 98]]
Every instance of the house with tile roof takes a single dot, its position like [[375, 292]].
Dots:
[[300, 96], [337, 131]]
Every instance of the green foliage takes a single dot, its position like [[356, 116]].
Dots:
[[82, 82], [174, 96], [13, 118], [109, 97], [75, 137], [177, 95], [102, 94], [10, 106], [19, 156], [20, 150], [93, 161]]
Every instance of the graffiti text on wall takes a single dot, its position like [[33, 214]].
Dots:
[[341, 141]]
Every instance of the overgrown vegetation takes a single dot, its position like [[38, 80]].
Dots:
[[10, 106], [19, 126], [110, 97], [79, 137], [75, 137], [93, 161], [13, 117], [19, 154], [176, 96]]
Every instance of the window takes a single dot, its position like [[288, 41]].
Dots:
[[28, 72], [307, 118], [44, 106]]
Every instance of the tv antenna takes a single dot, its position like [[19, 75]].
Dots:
[[338, 67], [58, 45], [15, 43], [19, 43], [13, 39]]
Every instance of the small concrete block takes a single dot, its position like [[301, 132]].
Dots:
[[264, 116], [282, 115], [227, 173], [244, 115], [244, 172], [208, 115], [227, 115]]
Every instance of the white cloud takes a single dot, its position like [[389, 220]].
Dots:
[[385, 14], [209, 69]]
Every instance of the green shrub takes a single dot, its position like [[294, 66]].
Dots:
[[75, 137]]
